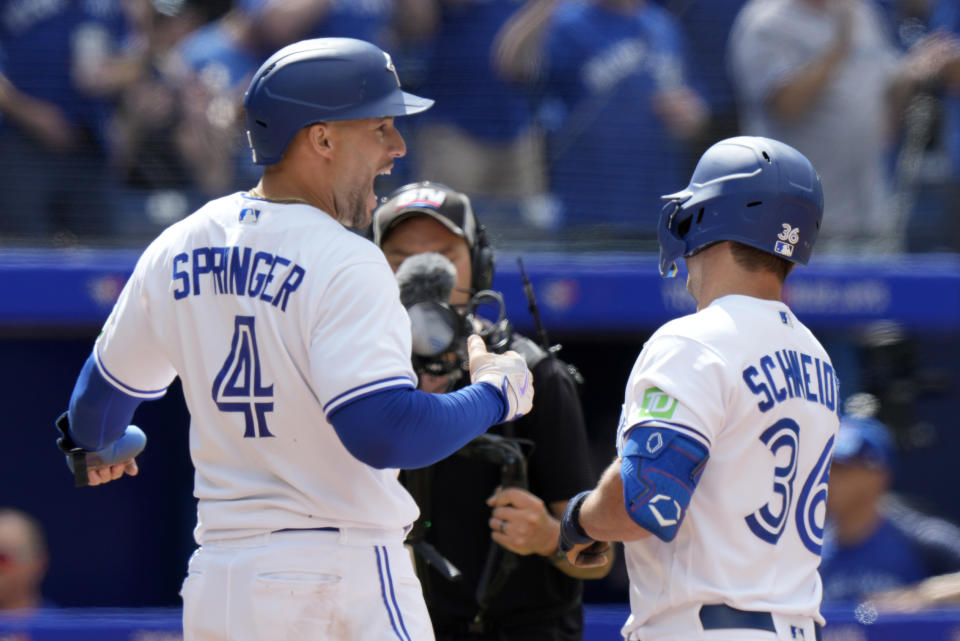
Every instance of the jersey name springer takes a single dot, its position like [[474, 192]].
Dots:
[[238, 271]]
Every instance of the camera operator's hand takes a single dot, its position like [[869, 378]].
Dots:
[[521, 523], [508, 372]]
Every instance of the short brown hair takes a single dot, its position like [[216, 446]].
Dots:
[[753, 259]]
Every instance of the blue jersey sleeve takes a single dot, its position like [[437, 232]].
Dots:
[[99, 412], [660, 470], [406, 428]]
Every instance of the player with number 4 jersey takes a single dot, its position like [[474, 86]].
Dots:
[[729, 419], [294, 351]]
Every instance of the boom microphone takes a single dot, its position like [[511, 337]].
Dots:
[[428, 277], [426, 281]]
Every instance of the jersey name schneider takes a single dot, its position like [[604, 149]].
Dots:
[[785, 374]]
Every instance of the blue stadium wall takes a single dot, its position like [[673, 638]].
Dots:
[[126, 544]]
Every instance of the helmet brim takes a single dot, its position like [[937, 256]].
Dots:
[[414, 104], [681, 196], [398, 103]]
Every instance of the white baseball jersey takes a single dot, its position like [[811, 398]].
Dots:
[[747, 380], [273, 315]]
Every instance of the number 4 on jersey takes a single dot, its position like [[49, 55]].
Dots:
[[237, 387]]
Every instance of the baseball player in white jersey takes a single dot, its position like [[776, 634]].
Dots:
[[728, 421], [294, 351]]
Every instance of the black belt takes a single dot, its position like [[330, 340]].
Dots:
[[720, 616], [308, 529]]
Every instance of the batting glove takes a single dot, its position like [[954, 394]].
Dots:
[[508, 372], [80, 460]]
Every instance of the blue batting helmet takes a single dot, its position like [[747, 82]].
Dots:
[[756, 191], [320, 80]]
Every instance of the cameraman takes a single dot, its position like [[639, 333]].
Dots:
[[462, 499]]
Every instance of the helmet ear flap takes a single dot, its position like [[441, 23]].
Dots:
[[672, 243]]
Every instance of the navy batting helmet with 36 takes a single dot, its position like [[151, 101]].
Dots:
[[756, 191], [320, 80]]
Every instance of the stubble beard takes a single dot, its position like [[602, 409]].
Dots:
[[354, 212]]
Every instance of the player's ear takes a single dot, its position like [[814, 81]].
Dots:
[[318, 138]]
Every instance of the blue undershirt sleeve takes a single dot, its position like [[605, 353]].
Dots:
[[99, 413], [406, 428]]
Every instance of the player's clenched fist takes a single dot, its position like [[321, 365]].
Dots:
[[508, 372]]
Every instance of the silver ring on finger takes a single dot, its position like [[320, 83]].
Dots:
[[503, 524]]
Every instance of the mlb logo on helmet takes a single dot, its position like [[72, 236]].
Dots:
[[789, 237], [783, 248]]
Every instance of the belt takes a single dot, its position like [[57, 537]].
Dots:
[[720, 616], [308, 529]]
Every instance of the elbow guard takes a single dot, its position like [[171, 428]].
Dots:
[[660, 470]]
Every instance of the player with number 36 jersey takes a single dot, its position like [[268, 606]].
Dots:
[[746, 381], [729, 419]]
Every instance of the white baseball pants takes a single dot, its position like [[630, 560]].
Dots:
[[332, 585]]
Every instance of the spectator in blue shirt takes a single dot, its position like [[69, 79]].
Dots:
[[153, 186], [53, 170], [706, 26], [875, 542], [943, 227], [617, 107], [480, 137]]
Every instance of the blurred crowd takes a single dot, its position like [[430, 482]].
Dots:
[[565, 120]]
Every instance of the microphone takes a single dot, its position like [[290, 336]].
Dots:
[[426, 281], [426, 277]]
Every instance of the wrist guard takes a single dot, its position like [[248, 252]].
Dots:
[[571, 532]]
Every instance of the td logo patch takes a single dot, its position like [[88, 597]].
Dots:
[[657, 404]]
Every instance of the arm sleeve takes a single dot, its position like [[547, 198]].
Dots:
[[660, 471], [99, 412], [407, 428]]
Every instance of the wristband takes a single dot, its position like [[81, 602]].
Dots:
[[571, 532]]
